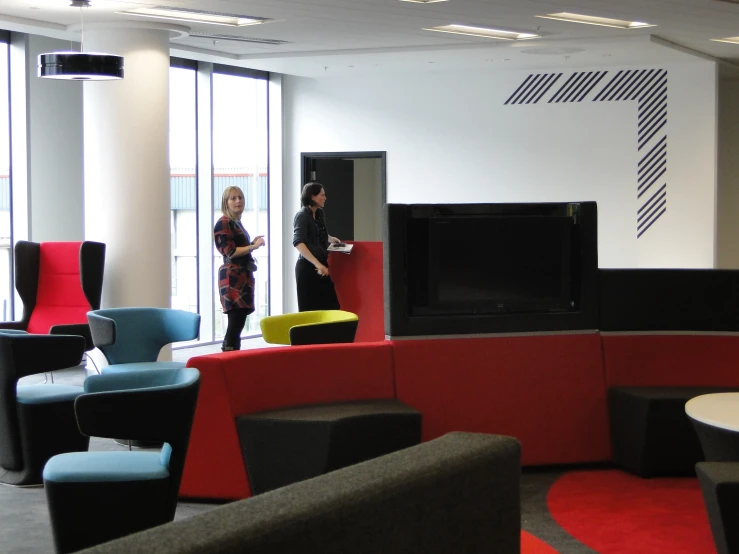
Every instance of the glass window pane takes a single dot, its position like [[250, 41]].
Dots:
[[6, 285], [183, 185], [240, 159]]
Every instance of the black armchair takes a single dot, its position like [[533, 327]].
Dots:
[[95, 497], [58, 282], [36, 421]]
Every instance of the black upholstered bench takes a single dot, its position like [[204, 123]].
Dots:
[[651, 435], [288, 445]]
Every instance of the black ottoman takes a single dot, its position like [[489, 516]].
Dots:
[[651, 435], [284, 446]]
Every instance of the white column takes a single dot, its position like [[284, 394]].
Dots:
[[126, 136]]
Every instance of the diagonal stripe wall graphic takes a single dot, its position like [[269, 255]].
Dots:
[[648, 87]]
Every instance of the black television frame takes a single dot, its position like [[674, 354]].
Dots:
[[401, 321]]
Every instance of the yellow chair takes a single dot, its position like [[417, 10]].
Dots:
[[316, 327]]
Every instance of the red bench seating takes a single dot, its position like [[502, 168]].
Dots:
[[548, 391]]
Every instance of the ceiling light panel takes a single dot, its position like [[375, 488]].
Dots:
[[195, 16], [592, 20], [424, 1], [215, 36], [484, 32], [730, 40]]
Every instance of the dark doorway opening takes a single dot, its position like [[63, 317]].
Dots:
[[355, 189]]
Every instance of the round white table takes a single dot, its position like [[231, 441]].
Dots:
[[719, 410], [716, 420]]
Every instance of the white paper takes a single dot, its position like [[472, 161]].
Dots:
[[346, 249]]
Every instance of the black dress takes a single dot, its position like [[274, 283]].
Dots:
[[314, 291]]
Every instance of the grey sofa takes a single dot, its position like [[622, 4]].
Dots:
[[458, 493]]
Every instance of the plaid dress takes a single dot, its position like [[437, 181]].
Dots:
[[235, 282]]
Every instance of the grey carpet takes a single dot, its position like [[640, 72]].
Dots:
[[535, 516]]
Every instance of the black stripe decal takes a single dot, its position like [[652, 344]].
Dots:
[[532, 88], [548, 85], [587, 90], [537, 87], [564, 88], [630, 76], [651, 199], [651, 223], [660, 144], [607, 88], [579, 84], [646, 86], [522, 85], [651, 75], [633, 83]]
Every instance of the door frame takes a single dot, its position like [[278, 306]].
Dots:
[[305, 157]]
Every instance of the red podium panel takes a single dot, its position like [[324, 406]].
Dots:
[[358, 280]]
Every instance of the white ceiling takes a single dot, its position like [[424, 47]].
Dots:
[[339, 37]]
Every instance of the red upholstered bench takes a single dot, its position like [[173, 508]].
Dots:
[[650, 377], [548, 391], [248, 381]]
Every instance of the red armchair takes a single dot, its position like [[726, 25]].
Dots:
[[58, 282]]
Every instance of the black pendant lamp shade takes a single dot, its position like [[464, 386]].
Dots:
[[80, 66]]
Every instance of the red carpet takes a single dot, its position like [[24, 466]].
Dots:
[[616, 513], [531, 545]]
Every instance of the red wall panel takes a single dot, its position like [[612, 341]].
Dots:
[[358, 280]]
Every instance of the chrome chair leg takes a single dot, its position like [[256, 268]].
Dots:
[[93, 362]]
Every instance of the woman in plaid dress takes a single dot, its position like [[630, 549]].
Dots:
[[236, 275]]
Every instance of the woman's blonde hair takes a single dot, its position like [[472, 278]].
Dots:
[[224, 201]]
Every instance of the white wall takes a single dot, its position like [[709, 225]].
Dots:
[[450, 138], [727, 245], [55, 151], [367, 199]]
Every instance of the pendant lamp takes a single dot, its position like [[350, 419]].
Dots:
[[80, 66]]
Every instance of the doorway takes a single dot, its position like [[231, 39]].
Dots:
[[355, 189]]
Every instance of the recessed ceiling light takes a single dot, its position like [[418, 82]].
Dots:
[[482, 32], [219, 36], [195, 16], [551, 51], [423, 1], [730, 40], [592, 20]]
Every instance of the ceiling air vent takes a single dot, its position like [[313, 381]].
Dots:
[[213, 36]]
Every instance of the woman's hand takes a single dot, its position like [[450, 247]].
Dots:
[[333, 240], [258, 242], [322, 270]]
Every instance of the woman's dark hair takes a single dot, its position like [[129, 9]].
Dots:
[[309, 191]]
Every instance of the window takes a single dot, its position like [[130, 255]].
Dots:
[[6, 284], [240, 159], [183, 186], [218, 138]]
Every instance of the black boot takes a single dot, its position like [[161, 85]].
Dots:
[[227, 347]]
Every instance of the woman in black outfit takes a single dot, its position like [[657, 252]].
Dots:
[[311, 239]]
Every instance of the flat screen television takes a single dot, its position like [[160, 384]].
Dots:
[[489, 267]]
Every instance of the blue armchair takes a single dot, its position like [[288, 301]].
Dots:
[[94, 497], [131, 338]]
